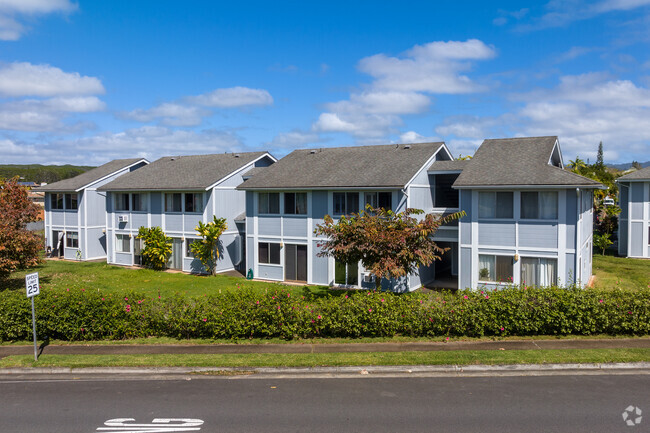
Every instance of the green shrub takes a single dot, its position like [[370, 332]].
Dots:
[[79, 314]]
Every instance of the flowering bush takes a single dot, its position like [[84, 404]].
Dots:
[[78, 315]]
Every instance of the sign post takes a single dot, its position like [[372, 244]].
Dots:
[[33, 289]]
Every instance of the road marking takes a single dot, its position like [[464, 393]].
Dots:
[[158, 425]]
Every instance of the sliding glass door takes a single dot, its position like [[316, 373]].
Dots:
[[295, 262]]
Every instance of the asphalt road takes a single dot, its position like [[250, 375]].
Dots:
[[574, 403]]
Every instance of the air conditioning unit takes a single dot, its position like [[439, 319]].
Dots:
[[368, 278], [123, 218]]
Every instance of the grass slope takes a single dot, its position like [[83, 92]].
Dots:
[[620, 273], [61, 275]]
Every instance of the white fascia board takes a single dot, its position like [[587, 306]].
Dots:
[[631, 180], [208, 188], [517, 187], [427, 164], [326, 188], [111, 174]]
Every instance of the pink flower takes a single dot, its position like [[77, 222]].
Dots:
[[487, 296], [629, 312], [447, 339], [319, 316], [82, 329], [67, 290], [465, 297], [382, 299], [503, 329], [346, 296], [482, 292], [312, 321], [257, 302], [126, 299], [128, 308], [600, 300], [83, 290], [102, 299], [288, 295], [370, 310], [139, 302], [205, 320]]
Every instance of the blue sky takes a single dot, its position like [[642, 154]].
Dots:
[[89, 81]]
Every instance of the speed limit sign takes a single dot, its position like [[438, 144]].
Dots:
[[31, 284]]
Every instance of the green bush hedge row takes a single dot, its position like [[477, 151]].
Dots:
[[91, 315]]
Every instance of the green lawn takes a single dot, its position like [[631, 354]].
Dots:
[[457, 357], [619, 272], [61, 275]]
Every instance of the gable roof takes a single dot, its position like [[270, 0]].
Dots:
[[643, 174], [518, 162], [191, 172], [384, 166], [91, 176]]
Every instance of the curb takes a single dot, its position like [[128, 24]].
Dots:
[[376, 371]]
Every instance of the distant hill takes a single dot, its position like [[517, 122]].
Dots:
[[626, 165], [42, 173]]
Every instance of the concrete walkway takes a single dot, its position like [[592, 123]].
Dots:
[[124, 349]]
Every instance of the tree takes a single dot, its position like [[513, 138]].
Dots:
[[602, 241], [600, 163], [157, 247], [19, 247], [207, 250], [577, 165], [636, 165], [389, 245]]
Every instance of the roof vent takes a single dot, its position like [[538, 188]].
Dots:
[[313, 151], [236, 155], [173, 158], [408, 146]]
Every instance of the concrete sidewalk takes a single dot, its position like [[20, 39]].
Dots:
[[124, 349]]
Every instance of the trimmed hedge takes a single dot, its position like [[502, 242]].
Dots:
[[79, 315]]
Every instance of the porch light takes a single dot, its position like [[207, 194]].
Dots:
[[516, 257]]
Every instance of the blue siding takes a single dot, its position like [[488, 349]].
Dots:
[[295, 227], [268, 272], [637, 241], [466, 268], [421, 198], [173, 222], [192, 220], [465, 226], [268, 225], [319, 203], [636, 200], [538, 234], [96, 244], [624, 198], [123, 259], [496, 233], [571, 218], [570, 276]]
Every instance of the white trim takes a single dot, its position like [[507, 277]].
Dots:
[[232, 173], [112, 174], [427, 164], [527, 187]]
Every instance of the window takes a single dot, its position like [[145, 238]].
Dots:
[[139, 202], [295, 203], [538, 272], [57, 201], [495, 205], [379, 200], [188, 248], [194, 202], [539, 205], [346, 203], [446, 196], [495, 268], [71, 201], [72, 239], [122, 243], [173, 202], [346, 273], [121, 202], [269, 253], [269, 203]]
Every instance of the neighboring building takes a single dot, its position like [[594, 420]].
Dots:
[[286, 201], [528, 220], [175, 193], [634, 219], [75, 212]]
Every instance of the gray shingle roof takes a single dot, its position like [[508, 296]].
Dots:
[[192, 172], [93, 175], [518, 162], [454, 165], [385, 166], [643, 174]]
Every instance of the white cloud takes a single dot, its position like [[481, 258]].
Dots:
[[401, 86], [233, 97], [11, 29], [170, 114], [293, 139], [25, 79], [414, 137], [433, 67], [45, 115], [149, 142]]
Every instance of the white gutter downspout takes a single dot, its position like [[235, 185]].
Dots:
[[578, 269]]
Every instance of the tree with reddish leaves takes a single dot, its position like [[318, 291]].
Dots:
[[388, 244], [19, 247]]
